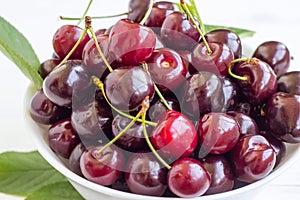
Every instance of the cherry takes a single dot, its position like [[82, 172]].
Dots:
[[63, 84], [261, 81], [276, 54], [253, 158], [188, 178], [103, 168], [175, 135], [283, 116], [65, 38], [138, 42], [137, 9], [218, 133], [167, 68], [216, 62], [44, 111], [127, 87], [47, 66], [227, 37], [289, 83], [63, 138], [145, 175], [74, 159], [222, 178], [230, 91], [178, 32]]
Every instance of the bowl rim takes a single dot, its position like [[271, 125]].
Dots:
[[44, 149]]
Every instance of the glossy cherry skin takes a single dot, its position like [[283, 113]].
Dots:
[[74, 159], [227, 37], [144, 175], [247, 125], [137, 9], [231, 92], [289, 83], [261, 83], [188, 178], [222, 178], [202, 93], [218, 133], [63, 138], [175, 135], [63, 84], [131, 43], [253, 158], [178, 32], [167, 68], [65, 38], [283, 116], [127, 87], [276, 54], [103, 168], [47, 66], [44, 111], [217, 62]]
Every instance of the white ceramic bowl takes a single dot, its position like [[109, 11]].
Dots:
[[92, 191]]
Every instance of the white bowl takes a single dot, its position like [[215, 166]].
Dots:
[[92, 191]]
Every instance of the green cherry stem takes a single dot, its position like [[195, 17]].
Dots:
[[85, 12], [88, 25], [142, 22], [242, 78], [198, 16], [100, 85], [95, 17], [145, 66], [188, 12]]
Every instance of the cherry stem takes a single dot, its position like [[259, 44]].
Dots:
[[242, 78], [188, 12], [100, 85], [145, 66], [88, 26], [158, 157], [142, 22], [95, 17], [85, 12], [198, 17]]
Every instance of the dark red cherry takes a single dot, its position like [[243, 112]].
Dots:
[[167, 68], [218, 133], [227, 37], [289, 83], [276, 54], [178, 32], [188, 178], [131, 43], [127, 87], [261, 83], [74, 159], [175, 135], [145, 175], [137, 9], [283, 116], [47, 66], [103, 168], [231, 92], [222, 178], [253, 158], [217, 62], [65, 38], [44, 111], [100, 31], [65, 83], [247, 125], [63, 138]]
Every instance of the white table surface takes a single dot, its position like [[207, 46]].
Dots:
[[38, 20]]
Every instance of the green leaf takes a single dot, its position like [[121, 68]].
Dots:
[[243, 33], [62, 190], [17, 48], [23, 173]]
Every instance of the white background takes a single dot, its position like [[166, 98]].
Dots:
[[38, 20]]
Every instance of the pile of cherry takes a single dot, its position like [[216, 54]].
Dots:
[[216, 121]]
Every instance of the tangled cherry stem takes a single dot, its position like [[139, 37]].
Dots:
[[247, 60], [85, 12], [95, 17], [145, 66], [142, 22], [100, 85], [188, 12], [145, 107]]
